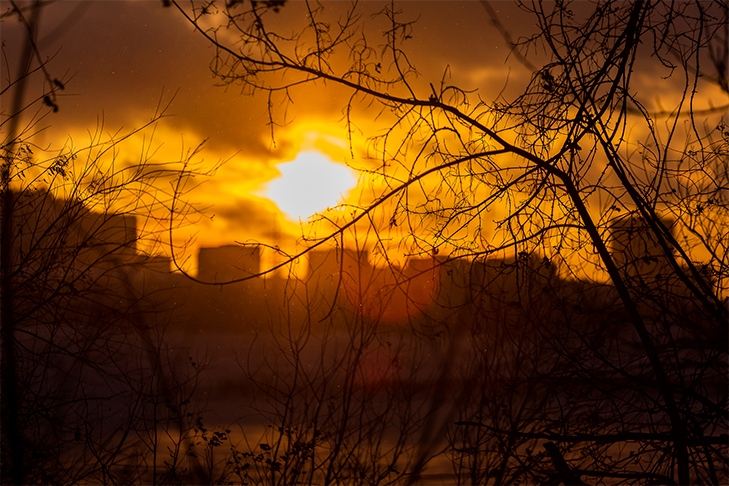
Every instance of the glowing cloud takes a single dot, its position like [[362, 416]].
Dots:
[[309, 184]]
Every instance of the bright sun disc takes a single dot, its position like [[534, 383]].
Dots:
[[309, 184]]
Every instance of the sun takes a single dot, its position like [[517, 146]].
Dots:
[[310, 184]]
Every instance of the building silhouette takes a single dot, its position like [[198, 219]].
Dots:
[[230, 262], [635, 248], [66, 234]]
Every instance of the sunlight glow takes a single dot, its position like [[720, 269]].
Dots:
[[309, 184]]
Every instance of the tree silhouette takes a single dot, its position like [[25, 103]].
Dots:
[[619, 375], [90, 392]]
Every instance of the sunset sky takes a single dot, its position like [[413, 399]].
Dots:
[[122, 59]]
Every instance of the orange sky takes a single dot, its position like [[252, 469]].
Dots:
[[122, 58]]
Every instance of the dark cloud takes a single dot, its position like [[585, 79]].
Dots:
[[122, 57]]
